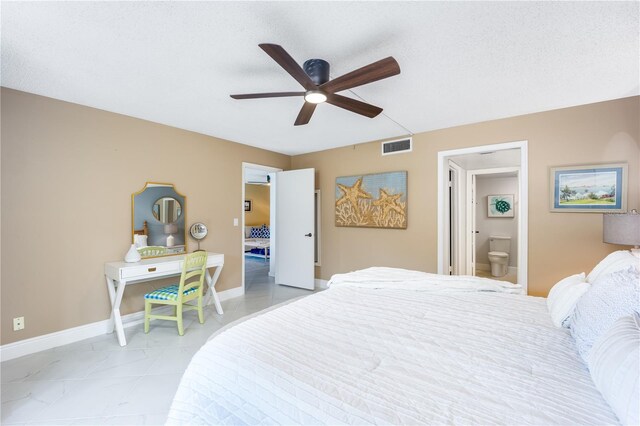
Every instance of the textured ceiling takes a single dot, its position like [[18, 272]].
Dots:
[[462, 62]]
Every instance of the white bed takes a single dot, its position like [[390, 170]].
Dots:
[[260, 241], [422, 351]]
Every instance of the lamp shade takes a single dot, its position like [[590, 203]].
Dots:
[[170, 228], [622, 228]]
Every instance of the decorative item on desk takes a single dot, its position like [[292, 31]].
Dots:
[[622, 228], [198, 231], [132, 255], [170, 229]]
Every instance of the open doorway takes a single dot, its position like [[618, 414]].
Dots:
[[258, 223], [474, 238], [494, 210], [278, 246]]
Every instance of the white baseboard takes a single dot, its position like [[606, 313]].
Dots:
[[70, 335], [487, 267], [321, 284], [483, 266], [231, 293], [75, 334]]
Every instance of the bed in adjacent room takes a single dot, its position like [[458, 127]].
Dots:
[[257, 241], [389, 346]]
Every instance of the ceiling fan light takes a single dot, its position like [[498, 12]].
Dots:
[[315, 97]]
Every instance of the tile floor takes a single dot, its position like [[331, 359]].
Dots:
[[95, 381], [511, 277]]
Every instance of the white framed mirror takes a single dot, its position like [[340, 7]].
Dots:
[[158, 218]]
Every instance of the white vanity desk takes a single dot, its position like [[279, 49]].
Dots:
[[120, 274]]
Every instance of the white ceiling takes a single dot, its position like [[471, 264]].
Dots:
[[462, 62]]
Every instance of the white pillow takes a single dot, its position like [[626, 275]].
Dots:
[[614, 262], [247, 231], [614, 363], [612, 296], [563, 297], [140, 240]]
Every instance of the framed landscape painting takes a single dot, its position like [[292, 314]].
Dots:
[[590, 188]]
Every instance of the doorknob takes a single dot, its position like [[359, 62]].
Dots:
[[307, 235], [476, 232]]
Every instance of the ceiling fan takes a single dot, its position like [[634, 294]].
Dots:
[[314, 77]]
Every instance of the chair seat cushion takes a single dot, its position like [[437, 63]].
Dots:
[[168, 293]]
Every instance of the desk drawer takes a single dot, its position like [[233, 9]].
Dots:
[[151, 270]]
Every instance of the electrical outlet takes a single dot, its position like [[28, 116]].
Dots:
[[18, 323]]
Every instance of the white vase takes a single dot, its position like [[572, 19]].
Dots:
[[132, 255], [170, 241]]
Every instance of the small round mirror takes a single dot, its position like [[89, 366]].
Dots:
[[198, 231], [167, 210]]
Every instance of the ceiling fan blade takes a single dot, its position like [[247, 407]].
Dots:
[[353, 105], [383, 68], [289, 64], [267, 95], [305, 113]]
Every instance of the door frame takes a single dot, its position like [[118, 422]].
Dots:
[[272, 213], [454, 217], [523, 189]]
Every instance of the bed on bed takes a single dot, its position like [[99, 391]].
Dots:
[[389, 346], [257, 241]]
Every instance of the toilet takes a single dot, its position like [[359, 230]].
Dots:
[[499, 248]]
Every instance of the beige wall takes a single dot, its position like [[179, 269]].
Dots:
[[560, 244], [259, 196], [68, 172]]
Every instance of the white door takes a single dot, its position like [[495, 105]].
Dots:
[[472, 228], [294, 228]]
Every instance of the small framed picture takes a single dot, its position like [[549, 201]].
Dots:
[[500, 205], [247, 205], [591, 188]]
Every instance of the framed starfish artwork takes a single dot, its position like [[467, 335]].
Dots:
[[377, 200]]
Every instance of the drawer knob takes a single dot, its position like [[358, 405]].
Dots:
[[151, 269]]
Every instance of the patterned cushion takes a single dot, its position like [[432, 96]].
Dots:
[[261, 232], [168, 293], [610, 297]]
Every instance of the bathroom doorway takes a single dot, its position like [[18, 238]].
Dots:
[[461, 250], [494, 211]]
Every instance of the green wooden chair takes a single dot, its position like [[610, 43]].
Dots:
[[189, 288], [151, 251]]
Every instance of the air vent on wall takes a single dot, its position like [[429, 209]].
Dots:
[[396, 147]]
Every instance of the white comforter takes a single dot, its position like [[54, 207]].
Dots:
[[389, 352]]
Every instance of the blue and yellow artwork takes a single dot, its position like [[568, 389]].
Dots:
[[372, 201]]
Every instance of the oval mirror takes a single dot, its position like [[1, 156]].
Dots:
[[167, 210]]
